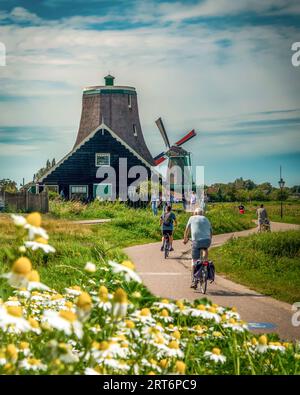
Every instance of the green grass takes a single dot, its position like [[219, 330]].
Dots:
[[268, 263], [136, 226]]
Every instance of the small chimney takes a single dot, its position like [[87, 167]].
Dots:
[[109, 80]]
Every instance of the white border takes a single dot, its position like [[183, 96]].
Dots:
[[78, 185], [103, 154]]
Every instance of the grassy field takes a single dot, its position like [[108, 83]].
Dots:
[[136, 226], [110, 323], [268, 263]]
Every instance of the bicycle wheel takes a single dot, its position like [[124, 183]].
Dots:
[[203, 280], [166, 248]]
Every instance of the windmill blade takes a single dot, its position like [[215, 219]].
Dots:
[[186, 138], [160, 158], [163, 132]]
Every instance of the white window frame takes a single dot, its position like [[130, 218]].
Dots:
[[134, 130], [70, 189], [103, 154]]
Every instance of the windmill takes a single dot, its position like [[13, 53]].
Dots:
[[176, 155]]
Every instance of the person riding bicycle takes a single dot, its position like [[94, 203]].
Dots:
[[262, 217], [201, 231], [167, 222]]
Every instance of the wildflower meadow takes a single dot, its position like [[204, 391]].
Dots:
[[111, 324]]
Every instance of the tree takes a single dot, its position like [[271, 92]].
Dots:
[[44, 170], [7, 185]]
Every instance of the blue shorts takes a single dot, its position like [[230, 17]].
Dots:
[[198, 245]]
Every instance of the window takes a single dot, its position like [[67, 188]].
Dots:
[[79, 192], [102, 160], [129, 101], [103, 191], [53, 188], [134, 130]]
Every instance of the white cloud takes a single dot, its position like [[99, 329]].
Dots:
[[181, 74]]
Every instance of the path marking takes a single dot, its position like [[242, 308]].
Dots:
[[261, 325], [163, 274]]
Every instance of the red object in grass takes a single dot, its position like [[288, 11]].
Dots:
[[242, 211]]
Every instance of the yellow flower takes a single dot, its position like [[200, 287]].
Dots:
[[297, 357], [180, 305], [16, 311], [22, 266], [173, 344], [212, 310], [263, 340], [41, 240], [103, 293], [216, 351], [164, 313], [11, 351], [120, 296], [177, 335], [163, 363], [34, 276], [232, 321], [84, 301], [217, 334], [104, 346], [151, 373], [201, 307], [180, 367], [254, 341], [33, 323], [130, 324], [68, 315], [165, 301], [24, 345], [145, 312], [128, 264], [34, 219]]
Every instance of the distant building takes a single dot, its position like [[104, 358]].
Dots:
[[109, 129]]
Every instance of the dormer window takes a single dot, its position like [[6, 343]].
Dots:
[[102, 159], [134, 130]]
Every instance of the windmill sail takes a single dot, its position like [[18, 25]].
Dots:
[[163, 132], [186, 138]]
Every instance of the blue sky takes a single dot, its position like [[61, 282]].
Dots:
[[222, 67]]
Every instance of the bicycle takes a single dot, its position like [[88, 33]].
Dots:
[[200, 275]]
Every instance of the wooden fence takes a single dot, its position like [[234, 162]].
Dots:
[[25, 201]]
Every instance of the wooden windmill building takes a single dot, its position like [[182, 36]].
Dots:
[[109, 129]]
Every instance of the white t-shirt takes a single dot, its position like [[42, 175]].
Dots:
[[200, 227]]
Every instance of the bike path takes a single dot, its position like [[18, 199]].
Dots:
[[170, 278]]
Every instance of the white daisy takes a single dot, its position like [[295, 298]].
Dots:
[[34, 231], [127, 269], [19, 220], [65, 321], [34, 246], [11, 320], [215, 356], [32, 364], [90, 267]]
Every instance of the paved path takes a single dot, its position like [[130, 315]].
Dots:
[[92, 221], [171, 279]]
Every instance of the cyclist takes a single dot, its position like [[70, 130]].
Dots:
[[201, 231], [167, 222], [262, 217]]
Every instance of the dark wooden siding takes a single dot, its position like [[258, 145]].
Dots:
[[80, 168]]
